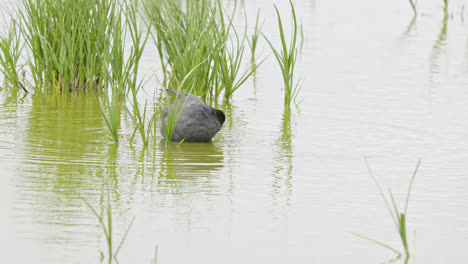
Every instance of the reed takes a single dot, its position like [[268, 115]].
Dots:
[[287, 58], [10, 54], [398, 217], [106, 224]]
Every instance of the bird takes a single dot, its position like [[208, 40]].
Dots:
[[197, 122]]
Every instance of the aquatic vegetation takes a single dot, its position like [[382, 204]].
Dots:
[[10, 53], [123, 76], [256, 34], [398, 217], [105, 221], [186, 36], [173, 113], [139, 42], [230, 63], [287, 58], [67, 41], [110, 109], [72, 46]]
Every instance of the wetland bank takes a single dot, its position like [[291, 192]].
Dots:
[[277, 184]]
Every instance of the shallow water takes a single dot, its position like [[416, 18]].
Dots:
[[275, 185]]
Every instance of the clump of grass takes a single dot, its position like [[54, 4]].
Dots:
[[74, 44], [287, 58], [10, 53], [398, 217], [106, 223], [187, 35]]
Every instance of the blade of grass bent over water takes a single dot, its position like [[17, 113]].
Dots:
[[399, 218]]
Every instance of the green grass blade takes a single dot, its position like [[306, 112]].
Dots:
[[378, 243]]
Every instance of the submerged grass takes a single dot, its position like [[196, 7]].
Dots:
[[287, 58], [398, 217]]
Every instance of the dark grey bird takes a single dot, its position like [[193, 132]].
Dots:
[[197, 122]]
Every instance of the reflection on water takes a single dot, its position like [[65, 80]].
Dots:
[[62, 139], [283, 162], [64, 135], [438, 50], [196, 158], [189, 159]]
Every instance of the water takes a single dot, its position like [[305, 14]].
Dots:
[[276, 185]]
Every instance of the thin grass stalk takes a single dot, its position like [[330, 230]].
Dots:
[[139, 42], [110, 110], [413, 6], [231, 59], [254, 38]]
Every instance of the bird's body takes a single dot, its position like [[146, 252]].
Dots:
[[197, 122]]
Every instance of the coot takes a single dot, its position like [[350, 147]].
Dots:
[[197, 122]]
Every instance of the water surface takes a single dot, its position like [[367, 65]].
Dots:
[[276, 185]]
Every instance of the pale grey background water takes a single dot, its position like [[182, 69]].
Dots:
[[373, 86]]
